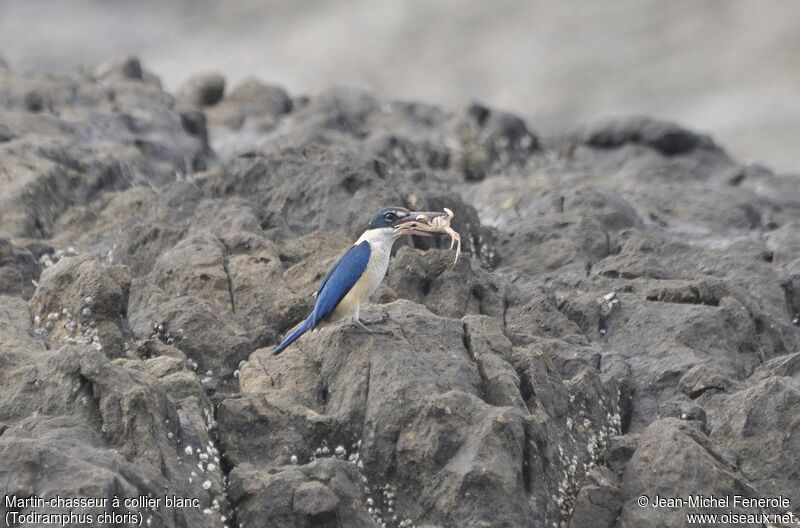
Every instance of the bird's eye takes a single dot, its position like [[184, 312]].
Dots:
[[389, 217]]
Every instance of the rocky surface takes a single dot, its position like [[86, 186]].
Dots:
[[624, 321]]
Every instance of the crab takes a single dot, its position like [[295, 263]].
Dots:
[[429, 224]]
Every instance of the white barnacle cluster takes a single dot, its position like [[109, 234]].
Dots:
[[598, 442], [381, 506], [211, 422], [597, 436], [207, 459], [110, 255], [51, 259], [323, 451], [567, 485], [162, 332], [206, 472], [380, 500], [79, 329], [488, 251]]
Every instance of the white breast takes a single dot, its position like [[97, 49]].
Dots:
[[380, 242]]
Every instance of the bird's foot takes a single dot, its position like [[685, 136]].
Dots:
[[362, 328]]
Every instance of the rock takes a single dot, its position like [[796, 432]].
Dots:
[[203, 90], [598, 502], [667, 138], [446, 289], [6, 134], [325, 493], [489, 387], [272, 98], [621, 321], [80, 300], [77, 137], [196, 265], [127, 68], [620, 450], [99, 427], [675, 460], [757, 426], [19, 270], [700, 379], [684, 410], [251, 104], [314, 498], [791, 287], [492, 141], [212, 340]]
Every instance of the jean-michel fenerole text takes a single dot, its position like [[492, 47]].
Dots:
[[724, 501]]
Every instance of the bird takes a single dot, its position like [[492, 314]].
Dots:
[[358, 273]]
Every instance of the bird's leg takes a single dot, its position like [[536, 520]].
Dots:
[[363, 328], [366, 330]]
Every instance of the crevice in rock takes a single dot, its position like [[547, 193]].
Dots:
[[699, 392], [676, 296], [89, 386], [225, 467], [426, 285], [791, 292], [467, 341], [366, 398], [526, 389], [228, 276], [323, 395], [506, 305], [526, 464], [630, 275]]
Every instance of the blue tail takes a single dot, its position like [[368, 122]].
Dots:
[[304, 327]]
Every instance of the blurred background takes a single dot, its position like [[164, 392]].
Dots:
[[727, 67]]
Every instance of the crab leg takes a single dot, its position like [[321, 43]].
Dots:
[[425, 226]]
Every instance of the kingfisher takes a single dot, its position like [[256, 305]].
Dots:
[[358, 273]]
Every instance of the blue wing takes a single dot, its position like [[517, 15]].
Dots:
[[339, 280]]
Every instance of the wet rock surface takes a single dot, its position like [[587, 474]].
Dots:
[[624, 320]]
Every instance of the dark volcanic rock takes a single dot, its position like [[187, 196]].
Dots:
[[76, 424], [675, 460], [598, 503], [667, 138], [250, 105], [623, 320], [79, 136], [758, 426], [19, 270], [203, 90]]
